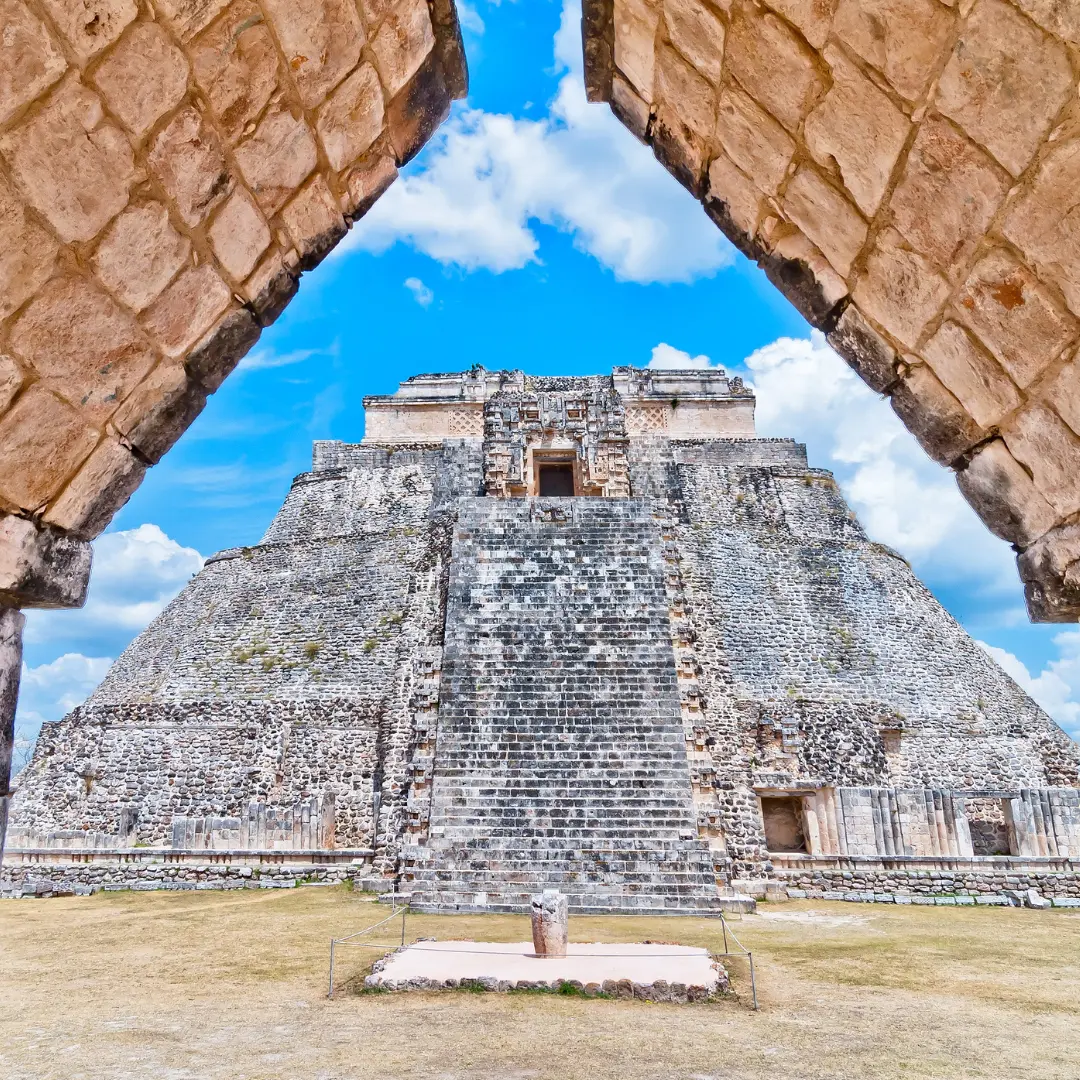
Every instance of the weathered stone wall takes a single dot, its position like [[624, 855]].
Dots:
[[168, 168], [822, 660], [494, 693], [905, 171], [282, 671]]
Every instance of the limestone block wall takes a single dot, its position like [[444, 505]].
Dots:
[[168, 168], [905, 171]]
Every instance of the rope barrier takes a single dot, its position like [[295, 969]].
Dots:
[[350, 941]]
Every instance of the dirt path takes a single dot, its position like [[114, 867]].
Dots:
[[209, 985]]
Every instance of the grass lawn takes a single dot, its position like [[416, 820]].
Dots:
[[233, 985]]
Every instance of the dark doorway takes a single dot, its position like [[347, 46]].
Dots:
[[556, 480], [782, 817]]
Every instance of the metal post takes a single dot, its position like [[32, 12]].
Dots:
[[753, 981], [723, 923], [11, 625], [404, 911], [331, 992]]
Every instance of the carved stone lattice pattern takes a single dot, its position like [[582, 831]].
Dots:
[[646, 420]]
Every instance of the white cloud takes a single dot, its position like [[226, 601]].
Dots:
[[470, 19], [1057, 687], [136, 573], [263, 359], [487, 178], [667, 356], [421, 293], [902, 497]]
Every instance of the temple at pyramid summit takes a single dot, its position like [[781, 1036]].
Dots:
[[590, 634]]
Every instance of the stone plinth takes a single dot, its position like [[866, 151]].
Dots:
[[647, 971], [549, 923]]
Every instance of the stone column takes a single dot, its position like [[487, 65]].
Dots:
[[11, 625], [549, 923]]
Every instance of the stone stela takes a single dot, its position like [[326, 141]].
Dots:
[[550, 923], [590, 635]]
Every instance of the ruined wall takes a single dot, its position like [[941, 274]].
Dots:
[[168, 168], [905, 172], [282, 671], [821, 659]]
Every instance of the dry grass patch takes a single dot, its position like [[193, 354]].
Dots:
[[212, 985]]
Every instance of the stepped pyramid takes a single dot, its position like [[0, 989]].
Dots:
[[585, 633]]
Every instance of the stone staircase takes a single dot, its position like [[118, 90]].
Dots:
[[560, 756]]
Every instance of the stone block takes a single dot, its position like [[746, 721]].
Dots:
[[1014, 315], [237, 67], [971, 374], [1044, 222], [1049, 569], [402, 43], [27, 252], [315, 222], [774, 66], [143, 77], [416, 113], [223, 347], [366, 183], [277, 158], [321, 40], [1060, 17], [1063, 393], [43, 440], [934, 416], [903, 39], [188, 17], [187, 309], [12, 378], [1002, 493], [753, 139], [140, 254], [160, 410], [352, 119], [62, 159], [100, 488], [271, 287], [947, 195], [550, 923], [1005, 83], [188, 161], [1041, 441], [30, 59], [740, 197], [632, 111], [83, 344], [805, 277], [826, 217], [635, 44], [864, 349], [696, 31], [239, 235], [812, 17], [858, 128], [41, 567], [683, 97], [899, 289], [91, 25]]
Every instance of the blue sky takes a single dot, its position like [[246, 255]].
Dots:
[[533, 232]]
